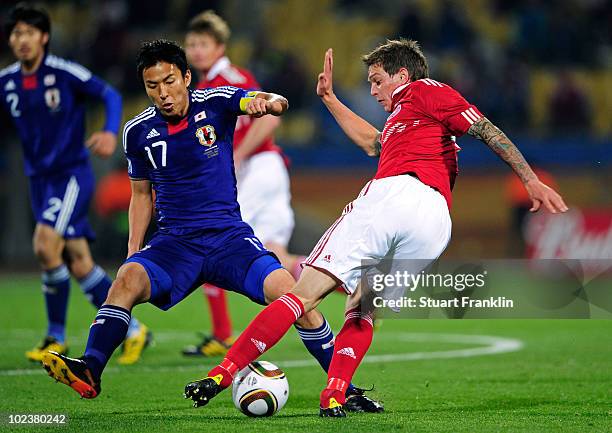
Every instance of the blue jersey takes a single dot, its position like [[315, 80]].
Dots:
[[190, 164], [48, 109]]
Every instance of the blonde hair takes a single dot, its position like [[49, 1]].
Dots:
[[211, 23]]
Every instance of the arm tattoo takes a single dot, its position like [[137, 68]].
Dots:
[[377, 145], [485, 131]]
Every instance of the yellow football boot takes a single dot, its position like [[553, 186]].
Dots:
[[134, 345], [210, 346], [47, 345]]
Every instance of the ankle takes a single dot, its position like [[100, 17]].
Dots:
[[224, 373], [327, 395], [335, 389], [94, 366]]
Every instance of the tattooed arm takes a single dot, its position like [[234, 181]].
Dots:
[[540, 193]]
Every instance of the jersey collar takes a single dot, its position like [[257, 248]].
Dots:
[[218, 66], [398, 93]]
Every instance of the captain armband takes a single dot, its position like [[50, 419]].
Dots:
[[245, 100]]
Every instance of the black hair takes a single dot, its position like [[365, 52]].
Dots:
[[160, 50], [397, 54], [29, 14]]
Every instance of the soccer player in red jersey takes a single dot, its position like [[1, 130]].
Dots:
[[403, 213], [261, 173]]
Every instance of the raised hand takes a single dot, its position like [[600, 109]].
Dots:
[[325, 80]]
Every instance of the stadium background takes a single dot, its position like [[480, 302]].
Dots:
[[542, 77]]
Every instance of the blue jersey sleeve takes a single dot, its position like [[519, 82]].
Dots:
[[84, 82], [226, 98], [138, 167], [100, 89]]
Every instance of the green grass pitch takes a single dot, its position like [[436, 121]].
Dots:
[[432, 375]]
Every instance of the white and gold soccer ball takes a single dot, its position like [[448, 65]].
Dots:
[[260, 389]]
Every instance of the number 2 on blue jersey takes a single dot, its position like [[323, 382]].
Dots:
[[13, 99]]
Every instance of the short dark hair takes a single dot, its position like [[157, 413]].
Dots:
[[210, 23], [400, 53], [160, 50], [29, 14]]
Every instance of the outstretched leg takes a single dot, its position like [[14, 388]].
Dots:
[[267, 329]]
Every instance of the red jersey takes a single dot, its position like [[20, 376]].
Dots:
[[223, 73], [419, 135]]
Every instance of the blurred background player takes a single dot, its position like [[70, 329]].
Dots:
[[261, 169], [403, 213], [44, 96]]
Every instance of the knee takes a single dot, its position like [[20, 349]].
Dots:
[[47, 250], [41, 251], [80, 266], [277, 284], [130, 287]]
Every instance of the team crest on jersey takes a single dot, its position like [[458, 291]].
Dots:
[[206, 135], [52, 98]]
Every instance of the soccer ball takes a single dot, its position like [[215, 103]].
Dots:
[[260, 389]]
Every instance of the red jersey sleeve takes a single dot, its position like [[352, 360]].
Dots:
[[446, 105]]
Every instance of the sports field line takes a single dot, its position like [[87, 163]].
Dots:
[[487, 345]]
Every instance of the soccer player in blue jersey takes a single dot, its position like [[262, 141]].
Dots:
[[44, 95], [181, 147]]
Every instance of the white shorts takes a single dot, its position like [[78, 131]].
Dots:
[[265, 198], [396, 217]]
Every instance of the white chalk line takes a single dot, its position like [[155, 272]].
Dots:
[[487, 345]]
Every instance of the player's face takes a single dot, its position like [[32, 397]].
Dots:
[[203, 50], [167, 89], [382, 85], [27, 42]]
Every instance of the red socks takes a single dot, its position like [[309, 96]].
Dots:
[[265, 331], [221, 322], [224, 373], [336, 389], [352, 343]]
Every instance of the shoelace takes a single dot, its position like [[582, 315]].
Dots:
[[360, 391]]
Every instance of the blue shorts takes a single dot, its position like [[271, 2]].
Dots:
[[177, 265], [62, 201]]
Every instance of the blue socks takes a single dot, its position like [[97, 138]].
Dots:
[[320, 344], [56, 287], [133, 327], [105, 334], [95, 285]]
